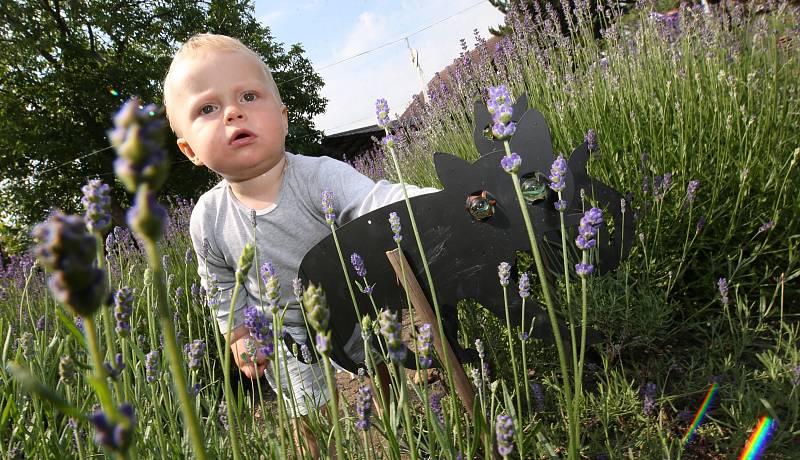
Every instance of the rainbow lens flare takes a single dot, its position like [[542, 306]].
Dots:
[[758, 439], [701, 413]]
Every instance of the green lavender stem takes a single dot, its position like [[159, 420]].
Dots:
[[573, 454], [429, 277], [172, 351], [334, 409], [226, 373], [514, 370]]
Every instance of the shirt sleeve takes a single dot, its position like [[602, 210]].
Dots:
[[384, 193], [356, 194], [216, 276]]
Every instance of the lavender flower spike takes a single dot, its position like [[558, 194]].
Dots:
[[363, 407], [67, 249], [591, 141], [424, 343], [194, 353], [583, 269], [327, 207], [511, 164], [558, 171], [722, 284], [123, 307], [151, 366], [97, 202], [504, 429], [382, 112], [358, 264], [435, 401], [138, 137], [503, 272], [394, 222], [691, 190], [390, 329], [767, 226], [524, 285]]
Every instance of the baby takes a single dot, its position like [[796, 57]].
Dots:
[[226, 111]]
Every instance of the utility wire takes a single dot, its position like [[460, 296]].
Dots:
[[371, 50]]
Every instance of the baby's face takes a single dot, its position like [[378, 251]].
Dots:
[[226, 115]]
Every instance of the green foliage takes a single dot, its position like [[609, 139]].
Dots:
[[67, 66]]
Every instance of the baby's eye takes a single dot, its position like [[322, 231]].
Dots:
[[249, 97], [206, 109]]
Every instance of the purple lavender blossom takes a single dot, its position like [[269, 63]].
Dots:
[[583, 269], [560, 205], [115, 370], [390, 329], [558, 172], [504, 429], [97, 202], [701, 223], [501, 108], [722, 285], [151, 366], [796, 375], [691, 190], [40, 323], [524, 285], [138, 137], [767, 226], [511, 164], [327, 207], [523, 336], [68, 250], [323, 342], [503, 272], [424, 343], [194, 353], [363, 407], [382, 112], [358, 264], [123, 307], [591, 141], [435, 401], [649, 395], [273, 286], [297, 289], [147, 217], [587, 231], [389, 141], [394, 222], [260, 328], [188, 257], [503, 131], [114, 436]]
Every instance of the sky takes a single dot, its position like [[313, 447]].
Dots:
[[334, 30]]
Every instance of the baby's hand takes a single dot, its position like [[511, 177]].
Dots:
[[243, 357]]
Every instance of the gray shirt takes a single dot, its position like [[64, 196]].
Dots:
[[221, 225]]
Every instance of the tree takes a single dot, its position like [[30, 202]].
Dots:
[[67, 65]]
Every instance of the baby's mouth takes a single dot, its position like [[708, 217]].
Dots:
[[241, 136]]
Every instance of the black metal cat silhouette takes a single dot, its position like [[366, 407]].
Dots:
[[464, 248]]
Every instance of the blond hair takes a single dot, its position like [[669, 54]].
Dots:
[[213, 42]]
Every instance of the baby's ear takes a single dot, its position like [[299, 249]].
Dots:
[[186, 149]]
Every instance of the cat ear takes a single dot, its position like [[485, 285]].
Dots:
[[577, 161], [532, 141], [450, 168]]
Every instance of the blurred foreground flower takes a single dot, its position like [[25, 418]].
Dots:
[[68, 250]]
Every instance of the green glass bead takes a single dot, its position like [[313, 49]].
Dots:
[[534, 188]]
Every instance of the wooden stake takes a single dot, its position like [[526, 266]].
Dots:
[[425, 312]]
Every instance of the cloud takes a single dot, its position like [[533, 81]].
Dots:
[[352, 87], [269, 19], [368, 30]]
